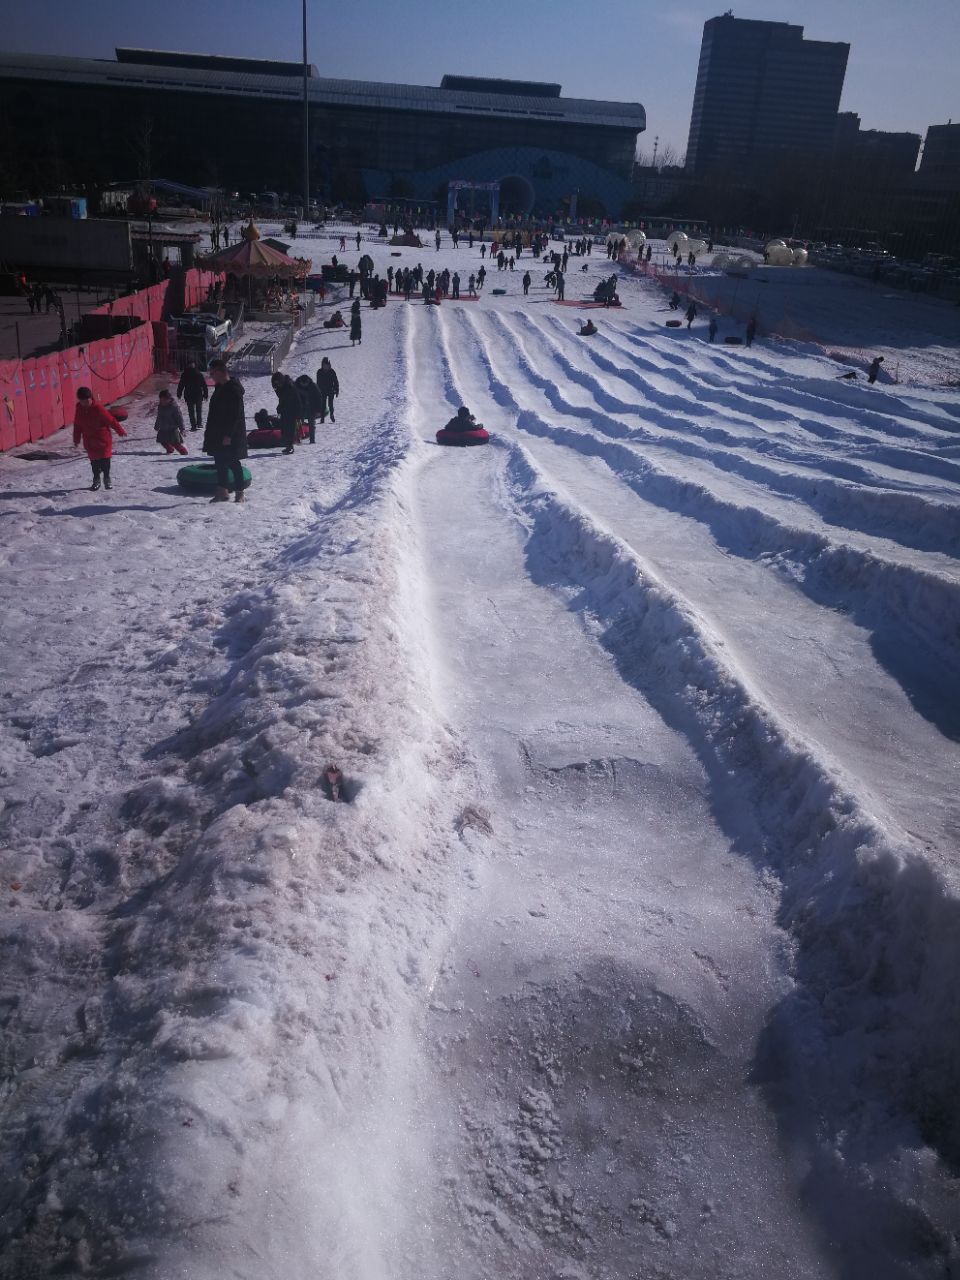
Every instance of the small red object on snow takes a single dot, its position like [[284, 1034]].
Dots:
[[334, 779]]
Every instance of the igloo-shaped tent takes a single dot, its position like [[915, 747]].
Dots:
[[634, 238], [676, 238], [800, 257], [779, 255]]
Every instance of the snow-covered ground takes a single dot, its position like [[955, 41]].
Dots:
[[633, 949]]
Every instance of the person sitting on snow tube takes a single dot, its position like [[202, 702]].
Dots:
[[336, 321], [588, 329], [265, 422], [463, 429], [464, 421]]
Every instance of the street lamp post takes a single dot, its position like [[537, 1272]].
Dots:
[[306, 124]]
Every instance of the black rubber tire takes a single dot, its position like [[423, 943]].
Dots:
[[201, 477]]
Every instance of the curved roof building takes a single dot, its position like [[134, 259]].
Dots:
[[237, 121]]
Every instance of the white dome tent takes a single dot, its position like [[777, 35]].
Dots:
[[777, 253], [634, 238]]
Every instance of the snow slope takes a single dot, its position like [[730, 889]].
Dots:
[[633, 949]]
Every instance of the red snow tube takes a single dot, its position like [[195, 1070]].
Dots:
[[478, 436], [272, 437], [674, 324], [264, 439], [119, 413]]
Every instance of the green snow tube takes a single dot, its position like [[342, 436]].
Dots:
[[201, 477]]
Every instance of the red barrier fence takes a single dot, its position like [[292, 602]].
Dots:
[[37, 396]]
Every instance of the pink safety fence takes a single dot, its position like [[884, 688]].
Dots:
[[37, 395]]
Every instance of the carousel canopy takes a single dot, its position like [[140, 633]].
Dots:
[[251, 256]]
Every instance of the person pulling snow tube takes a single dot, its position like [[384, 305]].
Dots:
[[268, 434], [463, 430], [201, 477]]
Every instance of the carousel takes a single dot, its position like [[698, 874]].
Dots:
[[267, 280]]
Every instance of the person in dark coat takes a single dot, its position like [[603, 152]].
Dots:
[[463, 421], [356, 328], [526, 282], [329, 387], [691, 314], [312, 403], [751, 330], [192, 387], [225, 439], [290, 409], [874, 370], [92, 425], [712, 328]]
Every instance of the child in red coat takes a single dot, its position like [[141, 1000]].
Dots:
[[92, 424]]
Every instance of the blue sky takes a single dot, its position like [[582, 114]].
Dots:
[[902, 72]]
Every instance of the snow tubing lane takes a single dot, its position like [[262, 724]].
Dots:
[[462, 438], [201, 477]]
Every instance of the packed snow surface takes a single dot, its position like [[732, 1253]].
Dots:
[[632, 948]]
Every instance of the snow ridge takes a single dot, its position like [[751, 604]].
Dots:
[[242, 1052], [876, 932]]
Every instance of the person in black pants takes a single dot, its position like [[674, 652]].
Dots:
[[312, 402], [225, 439], [192, 387], [328, 386], [290, 409]]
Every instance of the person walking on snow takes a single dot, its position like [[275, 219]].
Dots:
[[712, 328], [92, 424], [290, 409], [751, 330], [526, 283], [312, 403], [561, 286], [169, 424], [691, 314], [358, 241], [356, 328], [328, 386], [225, 439], [874, 370], [192, 387]]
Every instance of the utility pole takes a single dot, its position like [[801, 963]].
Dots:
[[306, 124]]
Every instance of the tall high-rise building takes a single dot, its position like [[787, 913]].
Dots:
[[762, 89]]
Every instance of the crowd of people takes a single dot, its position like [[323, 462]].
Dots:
[[301, 402]]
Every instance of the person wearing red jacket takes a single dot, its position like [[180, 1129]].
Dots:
[[92, 424]]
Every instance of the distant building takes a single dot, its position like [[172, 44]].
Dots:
[[891, 155], [228, 121], [940, 164], [762, 90], [656, 189]]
